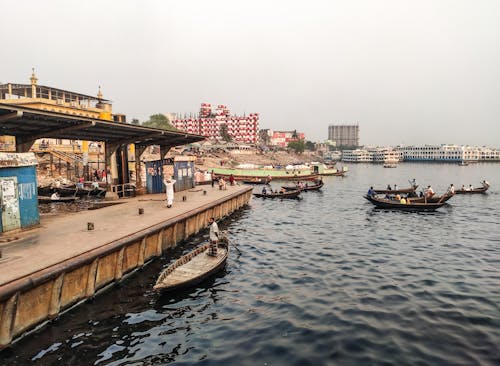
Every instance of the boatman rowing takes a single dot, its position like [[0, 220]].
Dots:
[[214, 237]]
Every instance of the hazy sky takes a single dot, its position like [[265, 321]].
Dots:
[[410, 72]]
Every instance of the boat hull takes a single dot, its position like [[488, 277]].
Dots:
[[174, 277], [288, 194], [393, 205], [473, 191]]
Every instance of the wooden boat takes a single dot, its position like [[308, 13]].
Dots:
[[47, 199], [397, 191], [482, 189], [390, 165], [287, 194], [434, 199], [395, 205], [275, 174], [254, 181], [192, 268], [313, 187]]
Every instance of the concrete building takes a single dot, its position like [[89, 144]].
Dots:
[[282, 138], [211, 123], [344, 135], [51, 99]]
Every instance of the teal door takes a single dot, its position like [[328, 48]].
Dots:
[[11, 218]]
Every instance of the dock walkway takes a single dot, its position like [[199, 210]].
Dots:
[[66, 236]]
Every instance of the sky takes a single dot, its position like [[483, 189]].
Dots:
[[408, 72]]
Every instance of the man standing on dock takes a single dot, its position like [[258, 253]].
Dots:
[[214, 237], [169, 184]]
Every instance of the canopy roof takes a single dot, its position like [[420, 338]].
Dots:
[[29, 124]]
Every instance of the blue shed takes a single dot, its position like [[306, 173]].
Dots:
[[18, 191], [184, 172], [154, 176]]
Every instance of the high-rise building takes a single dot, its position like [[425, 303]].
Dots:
[[344, 135]]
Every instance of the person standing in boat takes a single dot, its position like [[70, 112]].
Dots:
[[169, 184], [451, 189], [214, 237]]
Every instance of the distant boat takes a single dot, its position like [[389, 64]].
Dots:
[[390, 165], [396, 191], [286, 194], [463, 163], [482, 189], [306, 187]]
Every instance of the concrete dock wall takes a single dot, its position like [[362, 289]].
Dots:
[[29, 302]]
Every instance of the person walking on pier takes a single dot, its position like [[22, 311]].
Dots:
[[169, 184], [214, 237]]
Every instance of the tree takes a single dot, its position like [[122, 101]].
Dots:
[[264, 137], [224, 133], [311, 146], [297, 146], [159, 121]]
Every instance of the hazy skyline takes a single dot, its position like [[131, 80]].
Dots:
[[408, 72]]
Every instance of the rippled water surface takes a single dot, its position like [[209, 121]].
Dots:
[[327, 280]]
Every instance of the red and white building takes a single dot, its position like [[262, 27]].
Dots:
[[240, 128], [282, 138]]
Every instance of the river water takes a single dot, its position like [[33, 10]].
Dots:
[[326, 280]]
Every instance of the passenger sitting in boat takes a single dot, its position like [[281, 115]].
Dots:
[[214, 237], [469, 188], [389, 187], [402, 200], [463, 188], [264, 191], [387, 196], [421, 194], [429, 192], [451, 189], [397, 197], [371, 192], [282, 190], [54, 196]]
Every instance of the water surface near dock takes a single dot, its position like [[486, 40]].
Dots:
[[321, 281]]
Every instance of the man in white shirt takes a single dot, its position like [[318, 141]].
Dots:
[[214, 237], [169, 184]]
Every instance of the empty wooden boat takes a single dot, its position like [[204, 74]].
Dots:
[[192, 268]]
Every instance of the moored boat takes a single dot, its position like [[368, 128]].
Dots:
[[192, 268], [255, 181], [273, 174], [47, 199], [395, 205]]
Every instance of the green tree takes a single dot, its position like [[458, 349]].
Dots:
[[224, 133], [311, 146], [297, 146], [159, 121]]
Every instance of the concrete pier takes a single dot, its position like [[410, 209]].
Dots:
[[46, 270]]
